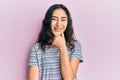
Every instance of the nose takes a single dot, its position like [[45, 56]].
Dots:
[[58, 23]]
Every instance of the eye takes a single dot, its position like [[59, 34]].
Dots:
[[54, 19], [63, 20]]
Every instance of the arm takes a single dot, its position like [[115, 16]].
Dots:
[[33, 73], [33, 69], [68, 67]]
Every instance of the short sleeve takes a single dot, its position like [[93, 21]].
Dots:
[[33, 57], [77, 53]]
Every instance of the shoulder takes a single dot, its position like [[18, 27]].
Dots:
[[77, 43], [35, 46]]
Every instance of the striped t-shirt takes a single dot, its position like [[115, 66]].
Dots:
[[49, 61]]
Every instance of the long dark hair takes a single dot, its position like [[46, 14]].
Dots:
[[46, 32]]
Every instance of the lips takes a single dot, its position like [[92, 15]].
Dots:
[[57, 29]]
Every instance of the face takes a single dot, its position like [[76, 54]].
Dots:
[[59, 22]]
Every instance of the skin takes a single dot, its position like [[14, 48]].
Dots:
[[59, 22], [68, 66]]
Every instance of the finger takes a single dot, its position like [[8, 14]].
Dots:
[[62, 35], [53, 43]]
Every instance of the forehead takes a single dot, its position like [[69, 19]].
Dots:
[[59, 12]]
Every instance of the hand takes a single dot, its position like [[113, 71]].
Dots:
[[59, 41]]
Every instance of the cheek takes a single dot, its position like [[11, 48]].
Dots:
[[64, 28], [65, 25], [53, 23]]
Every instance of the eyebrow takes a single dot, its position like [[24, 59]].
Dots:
[[57, 17]]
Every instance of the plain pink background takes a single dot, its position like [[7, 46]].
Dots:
[[96, 25]]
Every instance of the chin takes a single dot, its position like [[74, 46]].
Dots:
[[57, 34]]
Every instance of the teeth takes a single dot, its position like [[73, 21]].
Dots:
[[58, 29]]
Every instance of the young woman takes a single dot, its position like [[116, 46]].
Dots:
[[56, 55]]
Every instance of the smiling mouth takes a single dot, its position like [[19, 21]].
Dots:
[[57, 29]]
